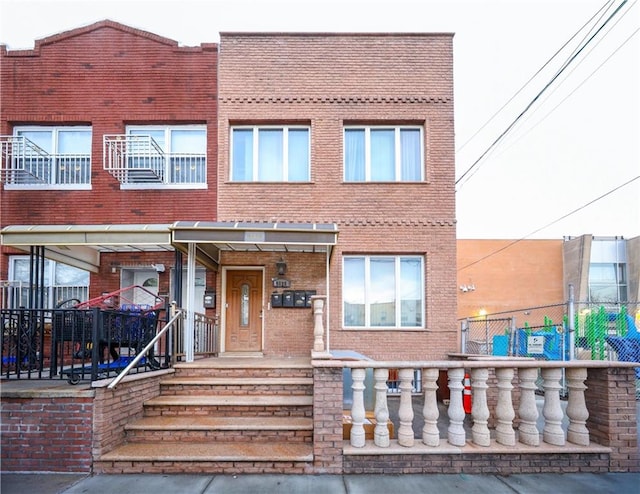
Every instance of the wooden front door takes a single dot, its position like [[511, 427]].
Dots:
[[243, 321]]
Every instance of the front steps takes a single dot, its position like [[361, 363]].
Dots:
[[223, 416]]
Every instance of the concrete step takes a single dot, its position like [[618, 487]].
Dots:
[[229, 401], [199, 422], [198, 428], [212, 457], [238, 385]]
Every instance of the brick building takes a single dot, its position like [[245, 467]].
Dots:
[[74, 110], [270, 168], [329, 154]]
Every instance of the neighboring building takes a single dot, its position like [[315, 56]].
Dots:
[[332, 154], [108, 137], [503, 275], [511, 276]]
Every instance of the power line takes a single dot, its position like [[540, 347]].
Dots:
[[540, 93], [552, 223], [531, 78], [575, 89]]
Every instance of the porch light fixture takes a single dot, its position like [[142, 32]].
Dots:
[[281, 267]]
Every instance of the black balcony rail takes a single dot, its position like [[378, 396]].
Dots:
[[80, 344]]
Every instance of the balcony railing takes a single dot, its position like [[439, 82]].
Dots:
[[24, 163], [138, 159]]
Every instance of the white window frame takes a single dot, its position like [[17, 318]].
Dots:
[[285, 152], [54, 129], [51, 288], [167, 184], [398, 152], [398, 301]]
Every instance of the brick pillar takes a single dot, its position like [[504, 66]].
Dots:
[[610, 398], [327, 420]]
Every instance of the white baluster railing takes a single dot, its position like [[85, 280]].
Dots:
[[381, 431], [456, 433], [488, 400], [552, 410], [504, 410], [528, 411], [480, 409], [430, 412], [577, 412]]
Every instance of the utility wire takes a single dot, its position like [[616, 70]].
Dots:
[[540, 93], [530, 79], [552, 223], [521, 136]]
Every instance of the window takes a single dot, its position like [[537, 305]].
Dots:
[[270, 154], [62, 282], [607, 271], [383, 291], [607, 283], [49, 156], [383, 154], [167, 154]]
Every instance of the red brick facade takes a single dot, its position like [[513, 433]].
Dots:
[[108, 76]]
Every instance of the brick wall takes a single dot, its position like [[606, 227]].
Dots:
[[612, 420], [108, 75], [511, 276], [47, 433], [114, 408], [327, 420], [326, 81]]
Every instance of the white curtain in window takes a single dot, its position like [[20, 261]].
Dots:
[[185, 167], [353, 290], [410, 154], [298, 155], [354, 155], [270, 156], [382, 155], [411, 292], [242, 168]]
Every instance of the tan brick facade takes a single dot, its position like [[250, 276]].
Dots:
[[327, 81]]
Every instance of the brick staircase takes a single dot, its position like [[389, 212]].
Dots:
[[223, 415]]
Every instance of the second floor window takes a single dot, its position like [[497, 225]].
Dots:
[[383, 154], [270, 154], [49, 156]]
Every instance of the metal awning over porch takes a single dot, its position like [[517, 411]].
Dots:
[[210, 238], [81, 245]]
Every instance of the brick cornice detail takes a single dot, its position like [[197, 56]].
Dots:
[[338, 99], [355, 222]]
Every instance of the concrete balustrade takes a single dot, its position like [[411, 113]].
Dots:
[[513, 426]]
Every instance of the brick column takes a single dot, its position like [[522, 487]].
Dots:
[[327, 420], [610, 398]]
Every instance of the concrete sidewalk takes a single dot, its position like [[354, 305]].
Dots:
[[570, 483]]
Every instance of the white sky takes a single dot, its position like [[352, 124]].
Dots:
[[580, 141]]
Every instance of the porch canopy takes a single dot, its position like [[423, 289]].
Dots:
[[81, 245], [210, 238]]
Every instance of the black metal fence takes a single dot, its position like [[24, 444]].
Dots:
[[79, 344]]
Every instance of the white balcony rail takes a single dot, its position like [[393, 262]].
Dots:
[[24, 163], [561, 426], [139, 159]]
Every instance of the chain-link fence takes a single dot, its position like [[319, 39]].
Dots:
[[592, 332]]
